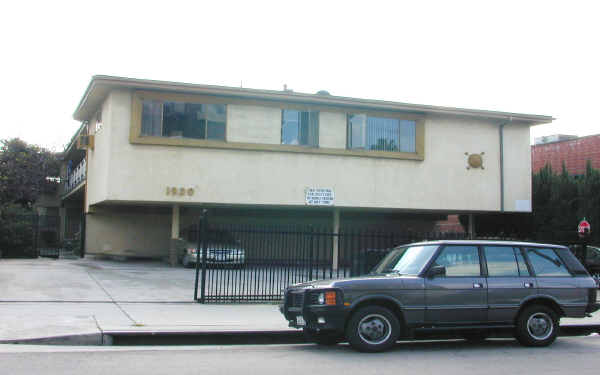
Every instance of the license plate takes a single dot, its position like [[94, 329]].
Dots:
[[300, 321]]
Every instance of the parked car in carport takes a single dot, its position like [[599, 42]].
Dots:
[[222, 249]]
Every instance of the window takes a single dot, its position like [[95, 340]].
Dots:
[[300, 128], [381, 134], [546, 262], [505, 261], [460, 261], [183, 120], [98, 121]]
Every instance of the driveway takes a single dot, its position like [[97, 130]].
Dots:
[[91, 280], [47, 298]]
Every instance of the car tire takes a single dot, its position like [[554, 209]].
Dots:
[[324, 338], [186, 262], [537, 325], [372, 329]]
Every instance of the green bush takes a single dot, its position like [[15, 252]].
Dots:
[[16, 236]]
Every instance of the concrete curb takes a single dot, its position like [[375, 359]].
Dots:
[[69, 340], [232, 337]]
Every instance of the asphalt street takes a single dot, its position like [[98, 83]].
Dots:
[[578, 355]]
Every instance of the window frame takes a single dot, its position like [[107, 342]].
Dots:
[[532, 269], [400, 117], [309, 111], [440, 250], [136, 138], [515, 249], [176, 99]]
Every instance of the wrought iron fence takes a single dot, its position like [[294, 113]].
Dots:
[[27, 236], [246, 263], [254, 263]]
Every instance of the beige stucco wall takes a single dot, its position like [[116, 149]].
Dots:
[[253, 124], [99, 158], [141, 173], [118, 232], [517, 171], [332, 124]]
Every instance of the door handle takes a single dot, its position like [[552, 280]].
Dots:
[[477, 285], [528, 285]]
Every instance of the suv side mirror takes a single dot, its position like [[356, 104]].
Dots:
[[436, 271]]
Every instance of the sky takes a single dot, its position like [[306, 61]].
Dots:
[[535, 57]]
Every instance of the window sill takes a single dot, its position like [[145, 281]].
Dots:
[[203, 143]]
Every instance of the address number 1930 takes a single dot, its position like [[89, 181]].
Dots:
[[179, 191]]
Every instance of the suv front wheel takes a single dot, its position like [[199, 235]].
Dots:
[[537, 325], [372, 329]]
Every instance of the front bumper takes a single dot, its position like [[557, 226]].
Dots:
[[315, 317]]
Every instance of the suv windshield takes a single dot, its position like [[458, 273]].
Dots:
[[406, 260]]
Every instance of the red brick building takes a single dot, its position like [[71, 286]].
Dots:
[[574, 152]]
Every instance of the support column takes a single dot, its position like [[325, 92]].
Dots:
[[173, 244], [335, 238], [471, 226], [62, 213]]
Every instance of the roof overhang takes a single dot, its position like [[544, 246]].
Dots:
[[101, 85]]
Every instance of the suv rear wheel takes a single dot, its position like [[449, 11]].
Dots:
[[537, 325], [372, 329]]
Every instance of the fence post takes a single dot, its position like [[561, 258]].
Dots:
[[202, 223], [310, 254], [36, 228], [82, 234]]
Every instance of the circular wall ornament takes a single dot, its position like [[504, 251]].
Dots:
[[475, 160]]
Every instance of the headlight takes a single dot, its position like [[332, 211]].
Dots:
[[328, 298], [321, 298]]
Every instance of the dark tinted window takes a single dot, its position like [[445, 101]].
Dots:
[[460, 261], [501, 261], [546, 262], [183, 120]]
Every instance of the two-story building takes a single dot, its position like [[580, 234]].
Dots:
[[156, 153]]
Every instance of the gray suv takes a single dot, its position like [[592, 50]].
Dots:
[[467, 286]]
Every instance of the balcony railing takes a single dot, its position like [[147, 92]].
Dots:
[[76, 177]]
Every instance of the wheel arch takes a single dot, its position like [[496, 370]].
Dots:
[[544, 301], [384, 301]]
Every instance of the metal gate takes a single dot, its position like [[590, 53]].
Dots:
[[252, 263]]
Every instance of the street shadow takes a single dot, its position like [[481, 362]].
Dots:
[[567, 344]]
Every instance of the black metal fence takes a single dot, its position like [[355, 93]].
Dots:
[[247, 263], [254, 263], [30, 236]]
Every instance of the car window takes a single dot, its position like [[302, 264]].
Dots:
[[593, 254], [501, 261], [523, 270], [546, 262], [460, 261], [406, 260]]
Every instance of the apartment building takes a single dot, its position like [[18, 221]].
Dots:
[[150, 155]]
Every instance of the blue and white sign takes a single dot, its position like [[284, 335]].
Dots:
[[319, 196]]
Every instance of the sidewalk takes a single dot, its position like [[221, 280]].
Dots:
[[42, 298], [48, 298]]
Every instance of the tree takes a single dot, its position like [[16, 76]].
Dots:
[[24, 170], [560, 201]]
